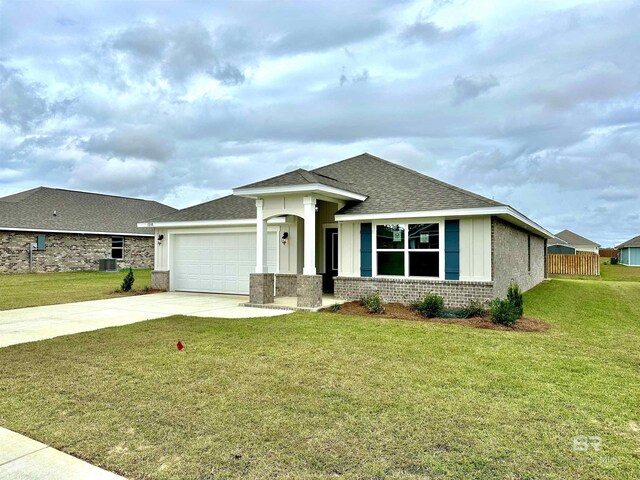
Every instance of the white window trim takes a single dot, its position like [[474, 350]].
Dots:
[[406, 250]]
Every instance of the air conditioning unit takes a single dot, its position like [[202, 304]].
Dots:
[[108, 265]]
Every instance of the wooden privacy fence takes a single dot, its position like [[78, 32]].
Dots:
[[582, 264]]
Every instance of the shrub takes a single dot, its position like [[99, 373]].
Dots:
[[127, 282], [430, 306], [614, 260], [475, 308], [373, 302], [514, 295], [335, 307], [504, 312]]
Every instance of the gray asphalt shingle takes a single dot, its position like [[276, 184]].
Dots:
[[634, 242], [575, 239], [77, 211], [388, 187]]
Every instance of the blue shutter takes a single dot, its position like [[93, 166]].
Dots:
[[452, 249], [40, 241], [365, 250]]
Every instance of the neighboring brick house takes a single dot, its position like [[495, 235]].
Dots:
[[352, 227], [54, 230]]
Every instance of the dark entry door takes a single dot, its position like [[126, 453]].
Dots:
[[330, 259]]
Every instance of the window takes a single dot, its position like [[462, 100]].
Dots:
[[117, 247], [389, 240], [411, 250], [529, 252]]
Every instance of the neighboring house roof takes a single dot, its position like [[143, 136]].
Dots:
[[76, 212], [634, 242], [558, 241], [575, 240], [230, 207]]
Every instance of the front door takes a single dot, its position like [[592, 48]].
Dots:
[[330, 259]]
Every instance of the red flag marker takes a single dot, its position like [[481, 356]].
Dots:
[[179, 345]]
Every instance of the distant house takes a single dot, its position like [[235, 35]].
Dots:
[[578, 242], [629, 252], [556, 245], [54, 230]]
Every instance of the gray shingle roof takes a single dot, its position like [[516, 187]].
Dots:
[[634, 242], [231, 207], [557, 241], [302, 177], [393, 188], [575, 239], [388, 187], [77, 211]]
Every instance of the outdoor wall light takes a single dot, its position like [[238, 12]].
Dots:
[[285, 235], [160, 238]]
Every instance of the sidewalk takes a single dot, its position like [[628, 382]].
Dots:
[[24, 459]]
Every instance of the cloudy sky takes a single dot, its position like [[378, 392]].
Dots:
[[536, 104]]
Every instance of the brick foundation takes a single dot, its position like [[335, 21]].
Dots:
[[309, 291], [406, 291], [160, 280], [286, 284], [261, 288]]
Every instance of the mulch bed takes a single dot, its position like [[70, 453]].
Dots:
[[403, 312]]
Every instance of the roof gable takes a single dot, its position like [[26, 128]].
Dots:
[[301, 177], [53, 209]]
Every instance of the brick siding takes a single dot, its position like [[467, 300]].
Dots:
[[407, 290], [509, 257], [66, 252]]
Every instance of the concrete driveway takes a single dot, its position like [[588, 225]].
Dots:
[[38, 323]]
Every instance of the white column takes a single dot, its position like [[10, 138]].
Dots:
[[309, 267], [261, 239]]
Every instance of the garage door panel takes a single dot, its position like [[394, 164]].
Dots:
[[217, 263]]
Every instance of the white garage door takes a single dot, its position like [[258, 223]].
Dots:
[[217, 263]]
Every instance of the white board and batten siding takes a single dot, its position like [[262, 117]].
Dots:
[[475, 248], [217, 262]]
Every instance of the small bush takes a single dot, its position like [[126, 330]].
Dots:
[[335, 307], [127, 282], [504, 312], [614, 261], [430, 306], [475, 308], [373, 302], [514, 295]]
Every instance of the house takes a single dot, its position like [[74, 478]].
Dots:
[[55, 230], [629, 252], [580, 243], [556, 245], [359, 225]]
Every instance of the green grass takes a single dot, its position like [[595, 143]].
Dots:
[[19, 290], [322, 395]]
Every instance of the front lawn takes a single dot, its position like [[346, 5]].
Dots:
[[19, 290], [322, 395]]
